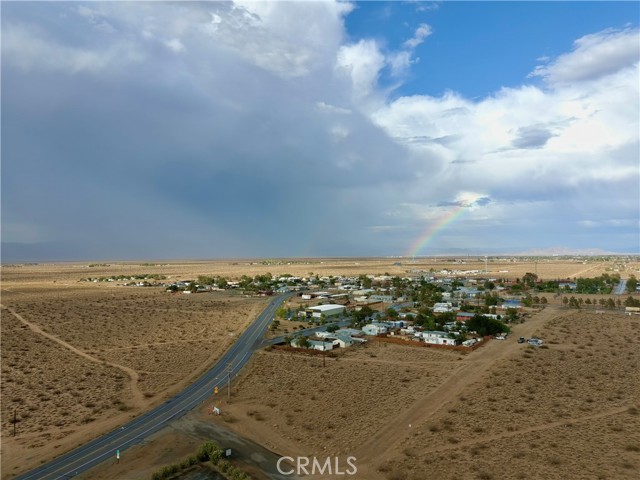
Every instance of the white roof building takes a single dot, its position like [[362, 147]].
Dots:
[[326, 310]]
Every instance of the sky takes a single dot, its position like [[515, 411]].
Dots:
[[191, 130]]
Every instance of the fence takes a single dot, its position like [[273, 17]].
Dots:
[[412, 343]]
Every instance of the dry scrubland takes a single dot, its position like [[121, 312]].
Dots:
[[509, 267], [290, 399], [571, 410], [79, 359]]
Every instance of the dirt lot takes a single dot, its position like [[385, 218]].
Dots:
[[569, 410], [78, 359], [511, 267], [333, 409]]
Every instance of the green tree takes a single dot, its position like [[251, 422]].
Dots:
[[632, 302], [632, 284], [205, 280], [303, 342], [529, 279], [486, 326], [490, 300], [365, 281]]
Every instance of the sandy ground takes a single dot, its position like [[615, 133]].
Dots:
[[502, 267], [566, 411], [506, 410], [181, 439], [79, 359]]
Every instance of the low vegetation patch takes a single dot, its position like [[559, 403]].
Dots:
[[208, 452]]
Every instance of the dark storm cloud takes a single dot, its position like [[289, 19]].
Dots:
[[195, 153]]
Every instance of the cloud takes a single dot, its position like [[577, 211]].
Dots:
[[326, 108], [541, 155], [532, 137], [422, 32], [175, 45], [209, 129], [30, 49], [593, 56], [362, 63]]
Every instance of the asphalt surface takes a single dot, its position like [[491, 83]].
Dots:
[[91, 454], [621, 288]]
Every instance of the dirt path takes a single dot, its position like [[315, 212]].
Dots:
[[476, 364], [546, 426], [137, 397], [412, 363], [585, 270]]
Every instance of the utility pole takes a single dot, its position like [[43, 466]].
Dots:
[[15, 420], [229, 382]]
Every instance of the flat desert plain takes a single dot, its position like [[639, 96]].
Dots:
[[500, 267], [80, 358], [570, 409]]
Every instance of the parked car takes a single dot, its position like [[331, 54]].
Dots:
[[536, 342], [521, 340]]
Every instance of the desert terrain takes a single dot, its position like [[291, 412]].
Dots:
[[79, 358], [548, 268], [567, 410]]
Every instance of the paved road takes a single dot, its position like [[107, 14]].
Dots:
[[132, 433], [621, 288], [307, 332]]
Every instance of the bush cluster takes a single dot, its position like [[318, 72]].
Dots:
[[208, 451]]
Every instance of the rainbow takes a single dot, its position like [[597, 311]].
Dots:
[[434, 229]]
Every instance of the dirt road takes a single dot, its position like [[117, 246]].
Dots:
[[137, 397], [381, 446]]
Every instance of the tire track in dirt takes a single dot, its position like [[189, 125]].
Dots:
[[477, 363], [536, 428], [138, 398]]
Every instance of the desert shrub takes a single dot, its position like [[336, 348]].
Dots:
[[224, 466]]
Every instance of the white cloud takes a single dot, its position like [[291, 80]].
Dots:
[[362, 62], [561, 144], [399, 62], [422, 32], [593, 56], [175, 45]]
